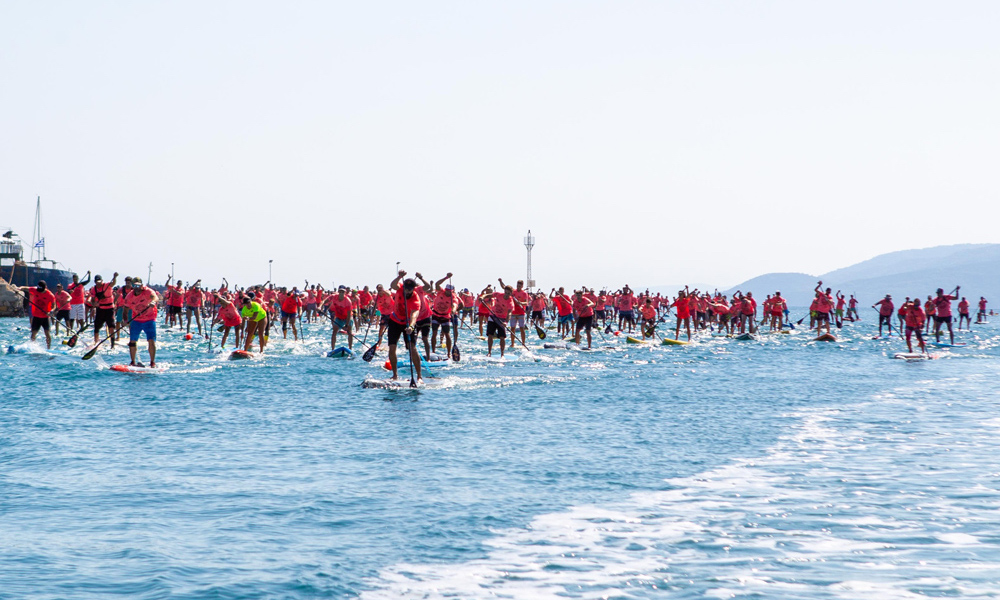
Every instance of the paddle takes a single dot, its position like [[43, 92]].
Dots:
[[90, 353], [71, 342], [370, 352], [412, 349], [456, 356], [540, 332]]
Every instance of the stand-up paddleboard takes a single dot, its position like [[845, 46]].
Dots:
[[947, 345], [340, 352], [913, 356], [435, 357], [425, 369], [670, 342], [25, 348], [555, 345], [744, 337], [826, 337], [631, 340], [240, 355], [136, 369], [394, 384]]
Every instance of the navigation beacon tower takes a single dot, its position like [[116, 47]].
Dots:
[[529, 242]]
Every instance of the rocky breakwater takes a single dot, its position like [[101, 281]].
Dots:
[[11, 303]]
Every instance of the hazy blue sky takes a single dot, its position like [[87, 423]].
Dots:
[[647, 142]]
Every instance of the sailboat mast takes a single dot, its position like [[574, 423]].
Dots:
[[37, 241]]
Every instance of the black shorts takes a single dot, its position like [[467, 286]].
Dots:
[[700, 316], [39, 323], [600, 314], [887, 319], [822, 316], [940, 320], [443, 322], [963, 315], [496, 329], [174, 310], [383, 320], [104, 316], [538, 314], [585, 323], [62, 315], [423, 325], [394, 331]]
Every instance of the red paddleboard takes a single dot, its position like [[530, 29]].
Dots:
[[135, 369], [240, 355], [826, 337]]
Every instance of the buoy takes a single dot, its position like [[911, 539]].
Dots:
[[387, 366], [188, 337]]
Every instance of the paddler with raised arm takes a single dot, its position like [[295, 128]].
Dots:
[[442, 310], [942, 303], [403, 320]]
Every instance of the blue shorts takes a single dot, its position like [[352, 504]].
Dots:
[[567, 319], [147, 327], [288, 315], [341, 323]]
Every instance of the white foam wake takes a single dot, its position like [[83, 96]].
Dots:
[[850, 504]]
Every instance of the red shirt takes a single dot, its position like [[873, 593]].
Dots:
[[194, 297], [403, 307], [291, 304], [563, 306], [583, 307], [341, 307], [502, 306], [41, 302], [76, 292], [383, 303], [443, 305], [104, 294], [62, 300], [523, 297], [137, 301]]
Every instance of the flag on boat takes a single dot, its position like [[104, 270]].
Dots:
[[40, 243]]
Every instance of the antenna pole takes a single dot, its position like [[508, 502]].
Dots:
[[529, 243]]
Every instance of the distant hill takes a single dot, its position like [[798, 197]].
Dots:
[[973, 266]]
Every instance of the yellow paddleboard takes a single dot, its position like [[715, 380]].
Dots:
[[632, 340], [670, 342]]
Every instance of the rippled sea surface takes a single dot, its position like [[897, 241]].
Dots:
[[775, 468]]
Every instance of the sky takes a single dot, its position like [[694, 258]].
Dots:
[[641, 142]]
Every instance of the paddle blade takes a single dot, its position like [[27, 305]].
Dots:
[[369, 354], [540, 332], [90, 353], [221, 329], [71, 341], [607, 330], [455, 354]]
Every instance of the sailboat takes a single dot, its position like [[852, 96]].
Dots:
[[17, 271]]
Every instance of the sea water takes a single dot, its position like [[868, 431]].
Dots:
[[773, 468]]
